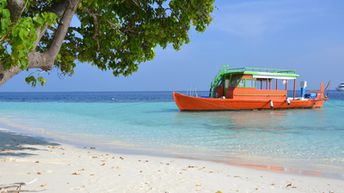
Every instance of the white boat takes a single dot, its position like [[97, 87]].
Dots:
[[340, 87]]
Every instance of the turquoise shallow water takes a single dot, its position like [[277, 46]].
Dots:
[[303, 139]]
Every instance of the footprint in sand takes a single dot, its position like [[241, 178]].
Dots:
[[78, 188]]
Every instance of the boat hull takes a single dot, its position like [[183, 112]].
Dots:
[[190, 103], [340, 89]]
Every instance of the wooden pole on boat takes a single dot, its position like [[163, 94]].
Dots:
[[294, 91], [224, 87], [270, 84], [261, 84], [267, 84], [276, 84], [286, 85]]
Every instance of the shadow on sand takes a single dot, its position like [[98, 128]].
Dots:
[[14, 144]]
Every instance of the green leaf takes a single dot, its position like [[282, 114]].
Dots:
[[4, 23], [3, 4], [22, 34], [112, 35], [5, 13], [31, 80], [41, 80]]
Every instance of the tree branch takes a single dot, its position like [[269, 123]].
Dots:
[[6, 75], [2, 38], [16, 8], [137, 3], [96, 27], [62, 30], [46, 60], [58, 8], [36, 60], [40, 60]]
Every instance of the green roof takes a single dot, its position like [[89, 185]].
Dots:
[[271, 72], [260, 71]]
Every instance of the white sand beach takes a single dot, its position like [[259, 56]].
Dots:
[[51, 167]]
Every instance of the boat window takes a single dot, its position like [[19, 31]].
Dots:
[[250, 83], [241, 83]]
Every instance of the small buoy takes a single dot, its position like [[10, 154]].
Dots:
[[271, 104]]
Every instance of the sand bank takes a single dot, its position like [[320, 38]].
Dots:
[[53, 167]]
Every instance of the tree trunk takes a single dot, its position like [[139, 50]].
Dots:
[[36, 60], [16, 8], [44, 61]]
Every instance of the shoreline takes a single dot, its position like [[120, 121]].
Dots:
[[129, 149], [59, 167]]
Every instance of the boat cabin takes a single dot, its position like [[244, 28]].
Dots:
[[253, 83]]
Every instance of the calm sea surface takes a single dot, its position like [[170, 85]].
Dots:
[[149, 122]]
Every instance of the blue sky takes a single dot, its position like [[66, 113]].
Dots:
[[305, 35]]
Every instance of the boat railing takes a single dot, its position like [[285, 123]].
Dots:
[[256, 69], [192, 92]]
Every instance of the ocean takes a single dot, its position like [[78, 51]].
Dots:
[[299, 141]]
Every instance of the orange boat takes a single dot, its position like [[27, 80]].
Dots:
[[252, 88]]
